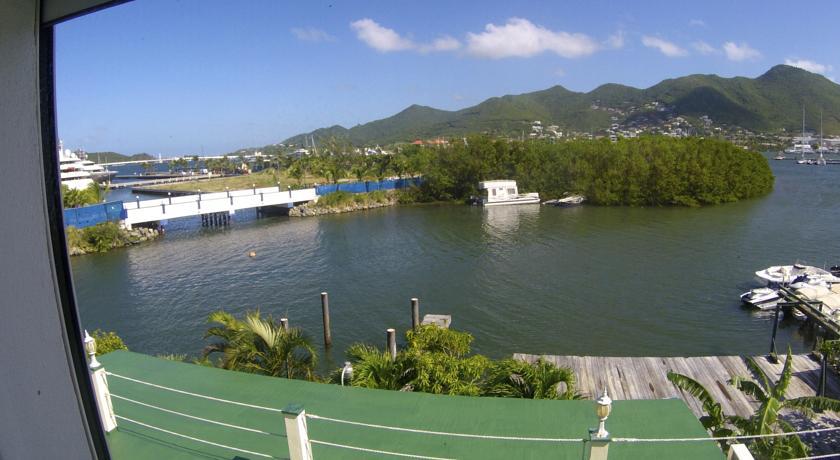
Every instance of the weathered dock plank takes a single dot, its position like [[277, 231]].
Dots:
[[645, 378]]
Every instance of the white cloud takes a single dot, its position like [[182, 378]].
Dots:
[[311, 34], [559, 72], [444, 43], [809, 65], [740, 52], [615, 40], [380, 38], [704, 48], [521, 38], [697, 23], [664, 46]]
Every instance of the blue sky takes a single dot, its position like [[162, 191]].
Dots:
[[191, 76]]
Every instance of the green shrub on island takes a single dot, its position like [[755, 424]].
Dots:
[[647, 171], [341, 199], [97, 238], [107, 342]]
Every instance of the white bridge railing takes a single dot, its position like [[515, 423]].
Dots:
[[205, 203]]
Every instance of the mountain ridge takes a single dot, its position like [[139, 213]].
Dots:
[[769, 102]]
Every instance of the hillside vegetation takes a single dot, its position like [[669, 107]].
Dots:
[[770, 102]]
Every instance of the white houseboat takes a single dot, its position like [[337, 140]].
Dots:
[[499, 192]]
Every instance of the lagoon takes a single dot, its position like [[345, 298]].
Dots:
[[583, 281]]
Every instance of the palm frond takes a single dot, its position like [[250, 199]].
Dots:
[[694, 388], [750, 388], [812, 403], [756, 369], [781, 386]]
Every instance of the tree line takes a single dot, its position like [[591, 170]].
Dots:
[[646, 171]]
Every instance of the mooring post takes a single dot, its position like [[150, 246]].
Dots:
[[823, 369], [284, 324], [773, 357], [296, 432], [391, 336], [415, 312], [325, 310]]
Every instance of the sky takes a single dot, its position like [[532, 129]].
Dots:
[[176, 77]]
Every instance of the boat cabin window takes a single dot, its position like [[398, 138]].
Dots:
[[511, 191]]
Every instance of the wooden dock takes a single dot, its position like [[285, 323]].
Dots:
[[645, 378]]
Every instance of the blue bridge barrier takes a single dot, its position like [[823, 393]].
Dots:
[[364, 187], [95, 214]]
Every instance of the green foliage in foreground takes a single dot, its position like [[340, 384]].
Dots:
[[73, 198], [107, 342], [437, 360], [648, 171], [766, 419], [97, 238], [341, 199], [260, 345]]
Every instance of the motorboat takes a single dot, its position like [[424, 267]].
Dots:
[[503, 192], [785, 274], [567, 202], [780, 156], [762, 298]]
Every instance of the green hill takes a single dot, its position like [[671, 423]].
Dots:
[[114, 157], [770, 102]]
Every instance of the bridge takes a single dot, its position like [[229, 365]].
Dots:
[[174, 207]]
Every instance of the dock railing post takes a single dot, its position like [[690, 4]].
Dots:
[[170, 197], [325, 311], [296, 432], [391, 338], [415, 313], [823, 372], [773, 356]]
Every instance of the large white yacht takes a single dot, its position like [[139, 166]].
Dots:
[[72, 173], [499, 192], [78, 173]]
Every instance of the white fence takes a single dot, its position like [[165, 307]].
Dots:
[[206, 203]]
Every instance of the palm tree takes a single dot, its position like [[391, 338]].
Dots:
[[765, 420], [512, 378], [260, 346]]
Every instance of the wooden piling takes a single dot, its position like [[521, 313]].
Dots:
[[415, 312], [773, 357], [391, 336], [325, 311], [284, 324]]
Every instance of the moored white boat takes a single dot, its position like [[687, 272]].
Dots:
[[761, 298], [783, 274], [503, 192], [567, 202]]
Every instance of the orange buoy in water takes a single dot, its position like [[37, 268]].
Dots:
[[252, 254]]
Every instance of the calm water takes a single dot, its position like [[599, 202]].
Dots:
[[589, 280]]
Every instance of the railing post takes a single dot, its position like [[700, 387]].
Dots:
[[100, 387], [170, 197], [415, 312], [284, 324], [290, 190], [296, 433], [391, 337], [163, 207], [137, 197], [739, 452], [325, 311], [598, 448], [255, 188], [261, 197]]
